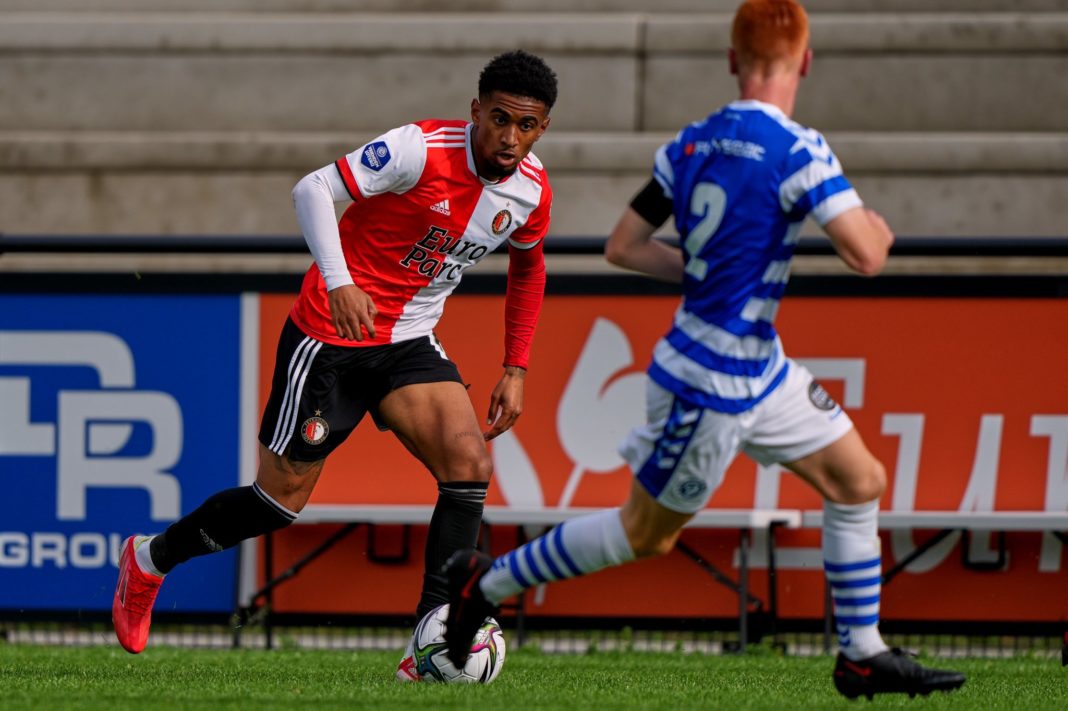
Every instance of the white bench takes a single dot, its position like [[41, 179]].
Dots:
[[743, 520], [352, 516], [538, 515]]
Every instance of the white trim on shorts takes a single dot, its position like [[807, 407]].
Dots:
[[299, 366], [437, 345]]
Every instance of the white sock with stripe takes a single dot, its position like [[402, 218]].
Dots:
[[852, 563], [582, 545]]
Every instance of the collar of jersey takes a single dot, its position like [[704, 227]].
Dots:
[[757, 105], [471, 160]]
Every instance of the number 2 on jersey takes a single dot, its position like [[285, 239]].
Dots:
[[708, 201]]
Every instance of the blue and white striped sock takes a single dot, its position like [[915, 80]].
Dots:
[[582, 545], [851, 561]]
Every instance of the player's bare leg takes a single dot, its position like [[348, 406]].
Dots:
[[289, 483], [281, 490], [844, 472], [651, 528], [851, 481], [438, 425]]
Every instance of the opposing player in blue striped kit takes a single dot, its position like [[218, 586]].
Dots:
[[739, 184]]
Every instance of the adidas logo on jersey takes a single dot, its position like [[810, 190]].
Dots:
[[442, 207]]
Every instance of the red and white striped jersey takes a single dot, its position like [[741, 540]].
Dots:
[[420, 217]]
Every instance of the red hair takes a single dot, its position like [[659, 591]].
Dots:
[[769, 31]]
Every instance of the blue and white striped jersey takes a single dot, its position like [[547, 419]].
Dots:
[[741, 181]]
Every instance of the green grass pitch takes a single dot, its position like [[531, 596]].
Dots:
[[33, 677]]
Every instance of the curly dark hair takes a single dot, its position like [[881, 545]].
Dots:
[[521, 74]]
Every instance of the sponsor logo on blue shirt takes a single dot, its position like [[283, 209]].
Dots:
[[375, 155]]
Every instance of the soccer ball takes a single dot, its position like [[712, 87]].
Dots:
[[431, 654]]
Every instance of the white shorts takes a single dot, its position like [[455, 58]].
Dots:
[[681, 454]]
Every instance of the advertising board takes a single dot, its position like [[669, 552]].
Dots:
[[117, 415], [963, 400]]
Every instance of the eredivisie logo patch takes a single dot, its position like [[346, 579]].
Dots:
[[314, 430], [820, 397], [375, 155]]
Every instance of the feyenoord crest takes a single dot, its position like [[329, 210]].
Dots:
[[501, 221], [314, 430]]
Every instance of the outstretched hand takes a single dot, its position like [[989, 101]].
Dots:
[[352, 310], [506, 402]]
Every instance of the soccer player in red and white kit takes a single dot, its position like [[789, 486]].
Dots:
[[429, 199]]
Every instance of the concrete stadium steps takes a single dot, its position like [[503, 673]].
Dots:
[[882, 72], [955, 184], [198, 116], [618, 71], [606, 6]]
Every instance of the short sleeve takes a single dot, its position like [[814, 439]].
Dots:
[[391, 163], [814, 183], [664, 172]]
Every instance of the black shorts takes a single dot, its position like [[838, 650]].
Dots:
[[320, 392]]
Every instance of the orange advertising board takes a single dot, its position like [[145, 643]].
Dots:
[[965, 401]]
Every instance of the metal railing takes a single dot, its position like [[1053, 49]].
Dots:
[[986, 247]]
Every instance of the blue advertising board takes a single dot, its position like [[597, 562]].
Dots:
[[118, 414]]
